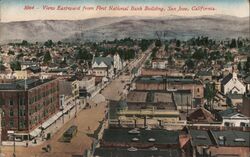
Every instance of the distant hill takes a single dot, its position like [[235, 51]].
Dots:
[[109, 28]]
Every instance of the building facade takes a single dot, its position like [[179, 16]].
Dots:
[[103, 66], [231, 84], [246, 105], [26, 104], [117, 63]]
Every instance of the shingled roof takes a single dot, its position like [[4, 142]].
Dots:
[[107, 60], [201, 115], [227, 79]]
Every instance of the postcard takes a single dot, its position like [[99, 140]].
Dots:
[[124, 78]]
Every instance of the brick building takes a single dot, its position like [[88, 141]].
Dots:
[[26, 104]]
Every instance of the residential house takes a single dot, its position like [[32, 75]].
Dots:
[[27, 64], [231, 117], [201, 115], [21, 75], [234, 99], [103, 66], [205, 75], [159, 63], [220, 102]]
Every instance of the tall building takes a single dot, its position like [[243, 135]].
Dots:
[[26, 104]]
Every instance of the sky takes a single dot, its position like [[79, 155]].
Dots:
[[13, 10]]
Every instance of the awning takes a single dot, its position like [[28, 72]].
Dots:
[[59, 114], [67, 108], [47, 123], [35, 132], [51, 120]]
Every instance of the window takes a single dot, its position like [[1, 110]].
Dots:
[[21, 101], [11, 123], [22, 124], [3, 123], [227, 124], [11, 102], [11, 112], [1, 102], [198, 90], [242, 124]]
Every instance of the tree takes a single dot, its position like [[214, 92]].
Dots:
[[229, 57], [178, 43], [190, 63], [154, 51], [170, 60], [144, 44], [11, 53], [59, 42], [209, 92], [158, 43], [214, 55], [199, 54], [48, 43], [24, 43], [147, 63], [47, 57], [20, 55], [233, 43], [83, 54], [247, 65], [15, 65]]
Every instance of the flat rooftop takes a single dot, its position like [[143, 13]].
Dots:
[[20, 84], [231, 138], [143, 136], [162, 79], [116, 152], [150, 96], [200, 138]]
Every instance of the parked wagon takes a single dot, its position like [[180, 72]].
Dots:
[[70, 133]]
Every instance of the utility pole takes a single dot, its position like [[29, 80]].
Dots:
[[14, 154], [75, 108]]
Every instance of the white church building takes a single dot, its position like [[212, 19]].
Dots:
[[231, 84]]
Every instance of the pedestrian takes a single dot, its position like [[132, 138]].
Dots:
[[27, 144], [49, 147], [88, 128]]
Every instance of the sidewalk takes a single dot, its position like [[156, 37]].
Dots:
[[68, 113]]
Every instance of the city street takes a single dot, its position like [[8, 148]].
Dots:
[[85, 118]]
